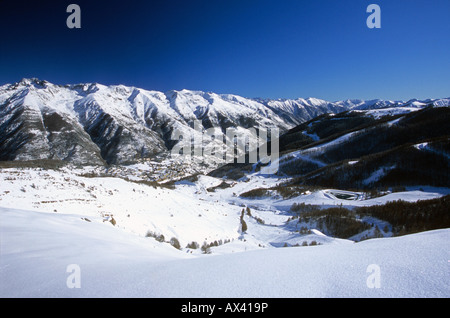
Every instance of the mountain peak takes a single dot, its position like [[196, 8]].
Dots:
[[32, 81]]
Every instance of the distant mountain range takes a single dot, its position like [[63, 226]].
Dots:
[[97, 124]]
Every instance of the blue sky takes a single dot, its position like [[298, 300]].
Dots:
[[270, 49]]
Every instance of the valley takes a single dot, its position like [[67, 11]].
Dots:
[[51, 219], [87, 177]]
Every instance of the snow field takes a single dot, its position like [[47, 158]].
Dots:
[[136, 208], [38, 244], [38, 250]]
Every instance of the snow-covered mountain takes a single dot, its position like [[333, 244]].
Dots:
[[171, 231], [97, 124], [93, 123]]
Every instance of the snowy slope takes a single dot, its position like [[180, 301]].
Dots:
[[190, 212], [51, 219], [39, 251], [137, 208]]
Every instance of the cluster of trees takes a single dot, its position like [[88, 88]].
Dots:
[[206, 247], [243, 224], [285, 190], [255, 193], [222, 185], [337, 222], [301, 207], [412, 217], [160, 238], [404, 217], [249, 213]]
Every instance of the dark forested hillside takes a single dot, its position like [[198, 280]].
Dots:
[[355, 150], [411, 149]]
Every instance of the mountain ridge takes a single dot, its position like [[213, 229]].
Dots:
[[92, 123]]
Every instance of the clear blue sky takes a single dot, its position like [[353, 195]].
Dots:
[[271, 49]]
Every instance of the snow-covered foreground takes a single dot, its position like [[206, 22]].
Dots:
[[43, 255], [55, 234]]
